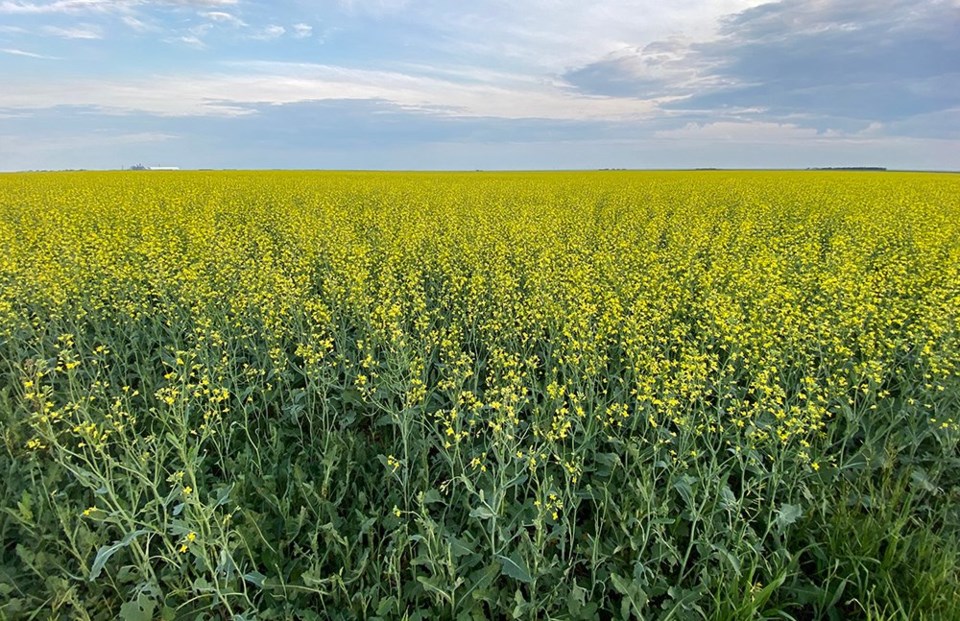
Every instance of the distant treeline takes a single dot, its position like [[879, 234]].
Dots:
[[849, 168]]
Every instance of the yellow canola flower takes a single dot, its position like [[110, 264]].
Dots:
[[544, 310]]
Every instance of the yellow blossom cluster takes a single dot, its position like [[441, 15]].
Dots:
[[527, 310]]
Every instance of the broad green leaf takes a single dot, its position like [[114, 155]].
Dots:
[[25, 507], [728, 498], [515, 568], [483, 512], [104, 553], [141, 609], [922, 480], [432, 496], [788, 514], [621, 584], [458, 547], [255, 578]]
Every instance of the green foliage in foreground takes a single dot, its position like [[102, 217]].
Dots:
[[536, 396]]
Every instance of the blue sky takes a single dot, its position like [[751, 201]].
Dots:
[[493, 84]]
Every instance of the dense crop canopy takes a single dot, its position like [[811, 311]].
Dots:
[[563, 395]]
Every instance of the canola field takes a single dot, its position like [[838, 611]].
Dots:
[[606, 395]]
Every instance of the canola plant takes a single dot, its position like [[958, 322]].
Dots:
[[479, 395]]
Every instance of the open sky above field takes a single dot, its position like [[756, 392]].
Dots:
[[433, 84]]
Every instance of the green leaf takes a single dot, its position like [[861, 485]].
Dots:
[[386, 605], [788, 514], [351, 396], [728, 499], [432, 496], [431, 585], [223, 495], [255, 578], [515, 568], [634, 597], [483, 512], [459, 547], [25, 507], [105, 552], [25, 554], [140, 609], [920, 478], [731, 558], [481, 579], [621, 584], [576, 600], [684, 486]]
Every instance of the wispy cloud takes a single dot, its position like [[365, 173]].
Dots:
[[743, 132], [199, 3], [137, 24], [302, 31], [551, 36], [193, 36], [269, 33], [26, 54], [376, 7], [23, 7], [193, 41], [232, 93], [81, 31], [224, 18], [60, 6]]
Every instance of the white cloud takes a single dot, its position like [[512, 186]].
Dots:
[[60, 6], [16, 52], [23, 7], [269, 33], [231, 94], [224, 18], [81, 31], [551, 36], [302, 31], [375, 7], [760, 132], [137, 24], [193, 36], [199, 3], [193, 41]]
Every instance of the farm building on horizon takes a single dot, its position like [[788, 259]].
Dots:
[[142, 167]]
